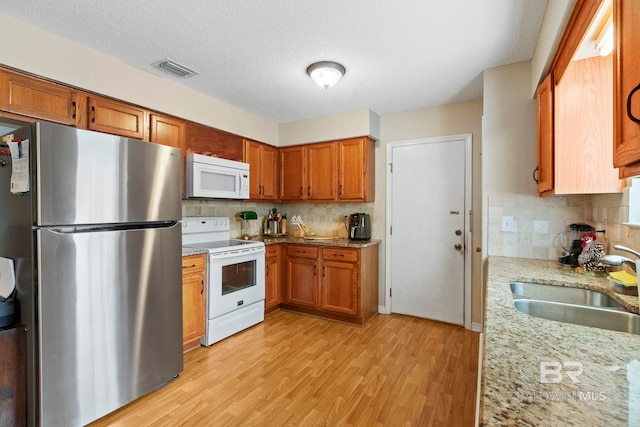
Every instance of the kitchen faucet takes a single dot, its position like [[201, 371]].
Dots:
[[619, 260]]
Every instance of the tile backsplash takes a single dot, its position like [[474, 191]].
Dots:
[[325, 219], [539, 221]]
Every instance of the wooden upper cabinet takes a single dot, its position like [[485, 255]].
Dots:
[[212, 142], [575, 113], [39, 99], [583, 123], [544, 97], [356, 169], [167, 130], [321, 171], [626, 18], [263, 161], [115, 117], [292, 173]]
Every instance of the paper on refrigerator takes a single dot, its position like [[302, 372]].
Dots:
[[20, 165]]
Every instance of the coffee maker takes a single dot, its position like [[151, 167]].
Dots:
[[571, 242]]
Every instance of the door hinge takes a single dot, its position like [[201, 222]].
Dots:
[[391, 166], [391, 230], [390, 292]]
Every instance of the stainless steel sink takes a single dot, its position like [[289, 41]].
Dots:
[[597, 317], [564, 294], [573, 305]]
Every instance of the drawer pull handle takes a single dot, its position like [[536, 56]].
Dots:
[[202, 288], [315, 270], [188, 266], [73, 110], [335, 254], [93, 114]]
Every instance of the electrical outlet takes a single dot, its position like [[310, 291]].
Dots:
[[508, 224]]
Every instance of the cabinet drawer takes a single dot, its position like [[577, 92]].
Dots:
[[272, 250], [193, 263], [340, 254], [302, 251]]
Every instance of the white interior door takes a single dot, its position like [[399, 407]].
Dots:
[[429, 200]]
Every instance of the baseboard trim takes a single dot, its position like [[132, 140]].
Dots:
[[476, 327]]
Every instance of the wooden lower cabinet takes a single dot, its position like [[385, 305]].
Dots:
[[273, 280], [302, 276], [13, 376], [334, 282], [194, 289]]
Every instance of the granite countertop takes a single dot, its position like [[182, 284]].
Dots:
[[344, 243], [513, 390]]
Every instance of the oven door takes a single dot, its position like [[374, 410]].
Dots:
[[235, 281]]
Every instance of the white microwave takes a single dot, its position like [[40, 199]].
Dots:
[[216, 178]]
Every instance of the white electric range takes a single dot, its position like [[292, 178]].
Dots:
[[236, 276]]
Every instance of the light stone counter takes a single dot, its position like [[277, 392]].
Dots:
[[514, 392], [193, 251]]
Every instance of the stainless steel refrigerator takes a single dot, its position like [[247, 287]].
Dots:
[[96, 245]]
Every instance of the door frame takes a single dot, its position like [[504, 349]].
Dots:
[[467, 137]]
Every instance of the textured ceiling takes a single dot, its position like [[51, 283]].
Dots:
[[400, 55]]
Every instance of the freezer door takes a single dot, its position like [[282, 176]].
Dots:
[[86, 177], [110, 319]]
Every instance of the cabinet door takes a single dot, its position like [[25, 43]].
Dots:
[[292, 173], [273, 277], [213, 142], [39, 99], [167, 131], [193, 300], [627, 87], [339, 287], [269, 169], [252, 155], [356, 169], [321, 171], [117, 118], [544, 96], [302, 282]]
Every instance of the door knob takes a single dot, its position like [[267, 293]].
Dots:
[[458, 232], [458, 246]]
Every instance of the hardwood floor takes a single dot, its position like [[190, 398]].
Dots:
[[297, 370]]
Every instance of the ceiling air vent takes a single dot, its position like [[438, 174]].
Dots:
[[172, 67]]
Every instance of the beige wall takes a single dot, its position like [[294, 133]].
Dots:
[[40, 52], [326, 128]]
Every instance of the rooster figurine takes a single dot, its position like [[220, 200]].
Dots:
[[589, 258]]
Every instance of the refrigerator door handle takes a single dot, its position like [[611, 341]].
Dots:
[[72, 229]]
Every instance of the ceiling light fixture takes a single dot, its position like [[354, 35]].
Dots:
[[325, 73]]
